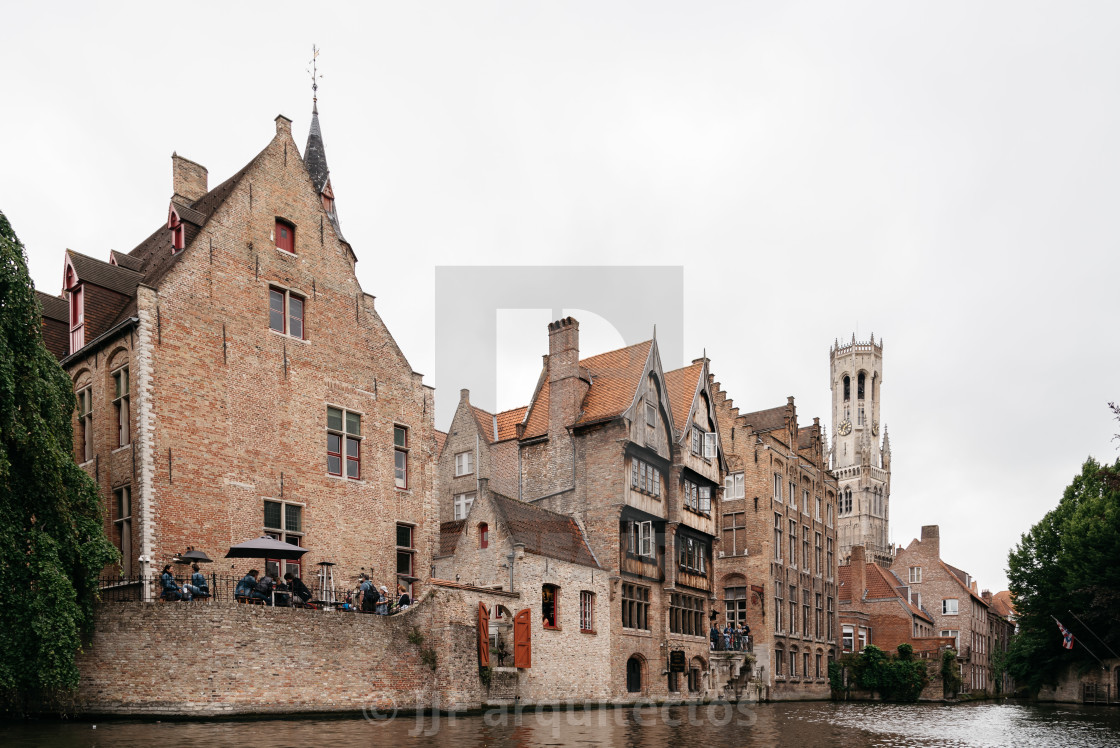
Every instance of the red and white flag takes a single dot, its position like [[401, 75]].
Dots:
[[1067, 637]]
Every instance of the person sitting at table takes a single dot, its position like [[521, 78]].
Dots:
[[171, 590], [263, 590], [283, 595], [245, 587], [298, 588], [198, 585]]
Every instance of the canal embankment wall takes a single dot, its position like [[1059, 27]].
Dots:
[[228, 658]]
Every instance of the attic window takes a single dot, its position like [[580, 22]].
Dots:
[[285, 236], [178, 235], [483, 535]]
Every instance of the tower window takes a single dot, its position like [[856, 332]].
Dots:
[[859, 386], [847, 387]]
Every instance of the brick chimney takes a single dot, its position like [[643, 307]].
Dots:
[[986, 596], [565, 389], [931, 540], [188, 180], [859, 572]]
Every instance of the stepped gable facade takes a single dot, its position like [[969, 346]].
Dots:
[[777, 565], [235, 380]]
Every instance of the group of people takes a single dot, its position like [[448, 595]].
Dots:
[[172, 590], [290, 590], [733, 637], [376, 600]]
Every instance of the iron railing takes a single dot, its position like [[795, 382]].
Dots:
[[120, 589]]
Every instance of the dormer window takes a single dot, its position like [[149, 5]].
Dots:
[[77, 310], [285, 236], [178, 234], [328, 197]]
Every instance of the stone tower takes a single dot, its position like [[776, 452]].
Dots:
[[860, 461]]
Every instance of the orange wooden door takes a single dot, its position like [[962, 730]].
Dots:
[[523, 639], [483, 636]]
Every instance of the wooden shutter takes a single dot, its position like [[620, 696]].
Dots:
[[522, 639], [483, 636]]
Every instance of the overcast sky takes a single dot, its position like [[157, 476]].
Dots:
[[944, 176]]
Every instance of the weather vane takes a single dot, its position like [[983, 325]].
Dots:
[[315, 76]]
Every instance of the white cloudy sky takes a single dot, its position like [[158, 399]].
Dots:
[[943, 175]]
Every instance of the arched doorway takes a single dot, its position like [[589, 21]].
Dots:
[[634, 674]]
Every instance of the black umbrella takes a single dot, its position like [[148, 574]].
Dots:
[[196, 557], [266, 547]]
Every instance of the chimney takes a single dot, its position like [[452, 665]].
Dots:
[[859, 572], [986, 596], [565, 388], [188, 180], [464, 395], [283, 125], [931, 538]]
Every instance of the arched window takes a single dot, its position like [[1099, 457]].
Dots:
[[847, 388], [859, 387], [634, 674], [483, 535], [550, 606]]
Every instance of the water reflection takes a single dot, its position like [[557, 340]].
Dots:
[[712, 726]]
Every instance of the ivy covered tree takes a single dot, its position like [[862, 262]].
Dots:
[[52, 542], [1070, 560]]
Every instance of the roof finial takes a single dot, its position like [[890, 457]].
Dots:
[[314, 71]]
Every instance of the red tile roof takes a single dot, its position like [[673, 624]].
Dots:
[[880, 585], [614, 381], [508, 420], [485, 421], [441, 439], [543, 532], [449, 535], [1002, 604], [682, 384]]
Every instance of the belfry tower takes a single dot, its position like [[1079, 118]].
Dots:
[[860, 461]]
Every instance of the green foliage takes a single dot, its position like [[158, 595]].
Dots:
[[1070, 560], [415, 636], [52, 545], [951, 680], [899, 678], [486, 674], [428, 657]]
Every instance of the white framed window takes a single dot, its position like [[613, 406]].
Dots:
[[645, 478], [587, 611], [949, 606], [777, 486], [710, 446], [915, 574], [828, 512], [848, 634], [956, 637], [463, 503], [464, 463], [733, 486], [640, 538], [698, 498], [817, 516], [805, 501]]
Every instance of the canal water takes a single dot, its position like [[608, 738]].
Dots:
[[711, 726]]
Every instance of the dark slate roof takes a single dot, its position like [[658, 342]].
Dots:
[[100, 273], [125, 261], [315, 155], [54, 307], [449, 535], [766, 420], [543, 533]]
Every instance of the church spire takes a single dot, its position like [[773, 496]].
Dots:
[[315, 154]]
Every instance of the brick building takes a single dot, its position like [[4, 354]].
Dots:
[[860, 462], [234, 380], [543, 558], [876, 608], [632, 454], [951, 598], [777, 559]]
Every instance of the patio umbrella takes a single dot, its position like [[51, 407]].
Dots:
[[266, 547], [196, 557]]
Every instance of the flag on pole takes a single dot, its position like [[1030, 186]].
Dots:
[[1067, 637]]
